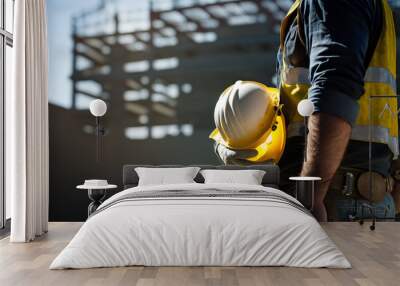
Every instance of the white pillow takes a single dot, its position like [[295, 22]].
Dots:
[[247, 177], [165, 176]]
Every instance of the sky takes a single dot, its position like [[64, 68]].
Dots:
[[59, 17], [59, 14]]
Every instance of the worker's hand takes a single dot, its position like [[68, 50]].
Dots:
[[234, 157]]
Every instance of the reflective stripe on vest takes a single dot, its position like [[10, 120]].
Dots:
[[373, 74], [381, 75]]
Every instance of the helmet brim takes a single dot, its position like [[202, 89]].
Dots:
[[270, 149]]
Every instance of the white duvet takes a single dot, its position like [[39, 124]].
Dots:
[[200, 231]]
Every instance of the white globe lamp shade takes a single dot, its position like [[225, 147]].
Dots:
[[305, 107], [98, 107]]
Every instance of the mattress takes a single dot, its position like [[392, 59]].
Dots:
[[201, 225]]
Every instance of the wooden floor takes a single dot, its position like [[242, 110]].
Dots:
[[375, 257]]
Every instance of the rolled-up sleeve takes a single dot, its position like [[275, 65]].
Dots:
[[336, 36]]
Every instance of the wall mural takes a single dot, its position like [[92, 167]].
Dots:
[[160, 66]]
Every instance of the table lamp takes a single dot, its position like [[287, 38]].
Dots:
[[305, 109], [98, 108]]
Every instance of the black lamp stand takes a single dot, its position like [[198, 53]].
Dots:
[[99, 142], [305, 138]]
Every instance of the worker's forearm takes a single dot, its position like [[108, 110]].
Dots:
[[327, 141]]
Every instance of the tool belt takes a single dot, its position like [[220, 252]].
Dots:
[[355, 183]]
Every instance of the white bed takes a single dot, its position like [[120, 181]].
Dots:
[[268, 228]]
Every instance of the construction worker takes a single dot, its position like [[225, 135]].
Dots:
[[342, 56]]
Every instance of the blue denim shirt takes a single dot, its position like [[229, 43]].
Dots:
[[335, 40]]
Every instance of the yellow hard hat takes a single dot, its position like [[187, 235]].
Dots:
[[248, 116]]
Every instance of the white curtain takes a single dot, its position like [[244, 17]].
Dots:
[[27, 124]]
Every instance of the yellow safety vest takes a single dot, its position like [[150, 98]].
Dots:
[[378, 116]]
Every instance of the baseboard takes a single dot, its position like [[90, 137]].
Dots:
[[5, 231]]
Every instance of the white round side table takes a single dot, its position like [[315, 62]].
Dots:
[[305, 190], [96, 194]]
